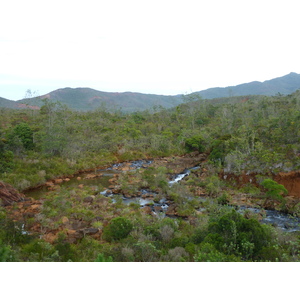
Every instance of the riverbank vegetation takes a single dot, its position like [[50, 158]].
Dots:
[[255, 135]]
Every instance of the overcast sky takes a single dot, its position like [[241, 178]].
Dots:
[[160, 47]]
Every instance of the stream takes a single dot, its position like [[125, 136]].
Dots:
[[284, 221]]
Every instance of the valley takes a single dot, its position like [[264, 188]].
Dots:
[[202, 181]]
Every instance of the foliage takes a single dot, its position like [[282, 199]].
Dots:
[[118, 229], [260, 135], [24, 133], [274, 189], [195, 143], [6, 161], [234, 234], [102, 258]]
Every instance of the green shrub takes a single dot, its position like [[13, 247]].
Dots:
[[102, 258], [6, 161], [24, 133], [224, 199], [118, 229], [195, 143], [234, 234], [208, 253], [274, 189]]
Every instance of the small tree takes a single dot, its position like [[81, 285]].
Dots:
[[274, 189], [195, 143], [118, 229], [24, 133]]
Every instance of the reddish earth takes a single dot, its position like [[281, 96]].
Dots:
[[21, 105], [291, 182]]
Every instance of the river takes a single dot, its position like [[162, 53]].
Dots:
[[102, 177]]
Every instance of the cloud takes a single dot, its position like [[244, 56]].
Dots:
[[148, 46]]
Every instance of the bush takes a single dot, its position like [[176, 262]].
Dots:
[[118, 229], [208, 253], [24, 133], [195, 143], [102, 258], [234, 234], [6, 161], [275, 190], [224, 199]]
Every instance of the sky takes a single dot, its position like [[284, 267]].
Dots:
[[156, 47]]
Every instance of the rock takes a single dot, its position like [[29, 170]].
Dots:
[[89, 199], [9, 195], [90, 176], [90, 231], [35, 206], [57, 181], [147, 210], [157, 209], [102, 200], [49, 237], [172, 210], [54, 188], [73, 235]]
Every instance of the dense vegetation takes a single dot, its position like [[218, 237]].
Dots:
[[240, 135]]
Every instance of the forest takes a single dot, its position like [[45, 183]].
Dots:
[[240, 152]]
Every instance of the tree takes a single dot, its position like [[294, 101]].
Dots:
[[195, 143], [118, 229], [274, 189], [24, 133]]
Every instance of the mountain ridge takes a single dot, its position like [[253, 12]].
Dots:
[[85, 99]]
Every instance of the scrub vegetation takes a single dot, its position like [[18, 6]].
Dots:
[[256, 136]]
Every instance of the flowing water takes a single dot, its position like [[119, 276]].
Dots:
[[283, 221]]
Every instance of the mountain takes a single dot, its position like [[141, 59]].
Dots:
[[284, 85], [7, 103], [89, 99]]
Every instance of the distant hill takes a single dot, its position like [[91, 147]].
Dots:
[[7, 103], [284, 85], [89, 99], [85, 99]]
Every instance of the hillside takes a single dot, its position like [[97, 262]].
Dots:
[[284, 85], [7, 103], [86, 99]]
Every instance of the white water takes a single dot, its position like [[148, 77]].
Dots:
[[178, 178]]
